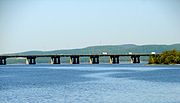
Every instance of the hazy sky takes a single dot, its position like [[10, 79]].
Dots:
[[63, 24]]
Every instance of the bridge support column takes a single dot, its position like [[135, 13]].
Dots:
[[74, 59], [55, 60], [31, 60], [135, 59], [94, 59], [114, 60], [2, 60]]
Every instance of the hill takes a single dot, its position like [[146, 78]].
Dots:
[[111, 49]]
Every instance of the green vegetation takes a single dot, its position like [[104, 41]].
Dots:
[[167, 57]]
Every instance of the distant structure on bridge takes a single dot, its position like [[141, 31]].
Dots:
[[75, 59]]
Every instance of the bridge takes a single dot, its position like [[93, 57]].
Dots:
[[75, 59]]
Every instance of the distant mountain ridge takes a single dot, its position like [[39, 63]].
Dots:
[[110, 49]]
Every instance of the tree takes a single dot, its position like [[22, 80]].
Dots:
[[166, 57]]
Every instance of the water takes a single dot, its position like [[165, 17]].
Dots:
[[122, 83]]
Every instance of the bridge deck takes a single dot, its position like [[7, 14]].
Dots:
[[80, 55]]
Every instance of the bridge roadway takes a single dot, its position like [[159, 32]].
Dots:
[[74, 58]]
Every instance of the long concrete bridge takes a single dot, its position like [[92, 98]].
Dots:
[[75, 59]]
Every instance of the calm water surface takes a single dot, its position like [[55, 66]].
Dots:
[[122, 83]]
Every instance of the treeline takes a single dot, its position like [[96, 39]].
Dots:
[[166, 57]]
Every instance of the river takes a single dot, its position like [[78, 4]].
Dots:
[[84, 83]]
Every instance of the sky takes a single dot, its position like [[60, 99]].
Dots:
[[27, 25]]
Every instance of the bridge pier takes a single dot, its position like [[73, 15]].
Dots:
[[114, 60], [55, 60], [2, 60], [31, 60], [94, 59], [74, 59], [135, 59]]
